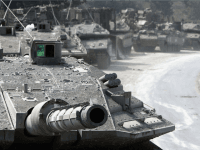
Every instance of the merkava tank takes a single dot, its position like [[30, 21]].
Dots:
[[145, 40], [192, 31], [137, 19], [49, 99], [63, 101], [166, 37], [96, 41], [175, 39]]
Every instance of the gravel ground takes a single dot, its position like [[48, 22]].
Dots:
[[169, 83]]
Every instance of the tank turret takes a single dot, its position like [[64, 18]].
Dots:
[[96, 41]]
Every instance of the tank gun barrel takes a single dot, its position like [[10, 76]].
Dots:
[[46, 120]]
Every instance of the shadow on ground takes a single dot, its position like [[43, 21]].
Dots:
[[139, 146], [122, 66]]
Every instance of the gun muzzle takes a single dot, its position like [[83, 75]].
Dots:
[[47, 122]]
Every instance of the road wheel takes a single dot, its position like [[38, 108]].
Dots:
[[196, 45], [103, 61], [137, 48], [150, 48], [178, 49], [128, 51], [174, 48], [164, 48]]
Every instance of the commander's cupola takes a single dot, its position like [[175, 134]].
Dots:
[[44, 26]]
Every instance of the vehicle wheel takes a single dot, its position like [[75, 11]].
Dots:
[[178, 49], [164, 48], [196, 46], [103, 61], [150, 48], [174, 48], [128, 51]]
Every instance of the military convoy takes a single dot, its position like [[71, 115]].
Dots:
[[119, 32], [150, 31], [64, 101]]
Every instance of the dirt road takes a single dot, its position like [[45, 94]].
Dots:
[[167, 82]]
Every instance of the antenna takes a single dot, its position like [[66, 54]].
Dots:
[[27, 13], [88, 12], [16, 18], [69, 9], [7, 10], [54, 14]]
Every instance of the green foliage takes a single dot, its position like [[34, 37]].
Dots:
[[194, 14]]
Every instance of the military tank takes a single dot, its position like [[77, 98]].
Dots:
[[166, 37], [64, 101], [192, 32], [96, 41], [52, 99], [138, 19], [175, 39], [119, 31]]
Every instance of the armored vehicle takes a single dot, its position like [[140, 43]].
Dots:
[[46, 98], [192, 32], [119, 31], [174, 40], [96, 41], [166, 36], [121, 36], [137, 19], [64, 101]]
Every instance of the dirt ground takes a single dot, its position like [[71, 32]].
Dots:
[[169, 83]]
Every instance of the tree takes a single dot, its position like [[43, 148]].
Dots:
[[164, 6], [119, 5], [194, 6]]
